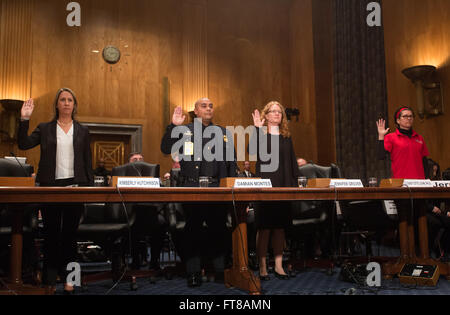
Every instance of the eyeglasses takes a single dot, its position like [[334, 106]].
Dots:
[[275, 112], [407, 116]]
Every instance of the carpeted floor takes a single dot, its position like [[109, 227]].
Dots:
[[307, 282]]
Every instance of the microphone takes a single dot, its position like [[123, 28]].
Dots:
[[132, 164], [21, 166]]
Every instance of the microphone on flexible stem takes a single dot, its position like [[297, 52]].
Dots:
[[21, 166], [132, 164]]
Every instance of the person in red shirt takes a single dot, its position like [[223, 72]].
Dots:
[[406, 147]]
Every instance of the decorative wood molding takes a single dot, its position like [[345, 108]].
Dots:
[[134, 131], [16, 49], [195, 60]]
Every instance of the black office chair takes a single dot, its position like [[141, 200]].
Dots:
[[312, 226], [107, 226], [12, 168], [362, 222], [118, 227], [149, 216]]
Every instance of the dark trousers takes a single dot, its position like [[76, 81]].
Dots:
[[251, 231], [60, 247], [199, 240], [149, 222], [439, 232]]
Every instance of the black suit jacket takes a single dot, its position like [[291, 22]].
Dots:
[[45, 136], [192, 169], [243, 174]]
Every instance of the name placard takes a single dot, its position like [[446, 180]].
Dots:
[[346, 183], [421, 183], [252, 183], [138, 182], [389, 207], [441, 183]]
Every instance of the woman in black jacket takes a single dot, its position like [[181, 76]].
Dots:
[[272, 135], [65, 161]]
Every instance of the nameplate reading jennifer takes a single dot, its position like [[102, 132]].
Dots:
[[346, 183]]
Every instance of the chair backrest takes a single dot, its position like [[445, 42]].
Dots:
[[110, 213], [175, 177], [10, 168], [313, 211], [136, 169], [312, 170], [114, 212], [366, 215]]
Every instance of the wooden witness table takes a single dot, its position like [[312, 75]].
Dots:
[[239, 275]]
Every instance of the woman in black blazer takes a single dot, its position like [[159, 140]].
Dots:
[[65, 161]]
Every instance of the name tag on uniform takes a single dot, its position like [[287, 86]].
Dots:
[[441, 183], [137, 182], [346, 183], [421, 183], [252, 183], [188, 148]]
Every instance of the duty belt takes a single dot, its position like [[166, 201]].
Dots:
[[212, 180]]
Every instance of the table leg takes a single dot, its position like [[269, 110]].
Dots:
[[423, 231], [15, 285], [406, 235], [239, 275], [16, 247]]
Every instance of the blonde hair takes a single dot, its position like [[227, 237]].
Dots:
[[284, 128]]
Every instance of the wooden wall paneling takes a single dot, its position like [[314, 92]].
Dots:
[[302, 81], [246, 56], [16, 55], [15, 49], [195, 58], [238, 53], [322, 15], [416, 32]]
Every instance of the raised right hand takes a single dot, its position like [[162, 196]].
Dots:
[[178, 117], [257, 119], [27, 109], [382, 131]]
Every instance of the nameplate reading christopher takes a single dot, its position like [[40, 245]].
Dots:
[[419, 183], [252, 183]]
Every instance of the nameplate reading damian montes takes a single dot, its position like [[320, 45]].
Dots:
[[252, 183]]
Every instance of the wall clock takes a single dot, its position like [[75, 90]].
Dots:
[[111, 54]]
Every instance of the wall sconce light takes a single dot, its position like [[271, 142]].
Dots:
[[9, 119], [428, 90], [292, 112]]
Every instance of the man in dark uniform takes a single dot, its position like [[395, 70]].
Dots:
[[203, 149]]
